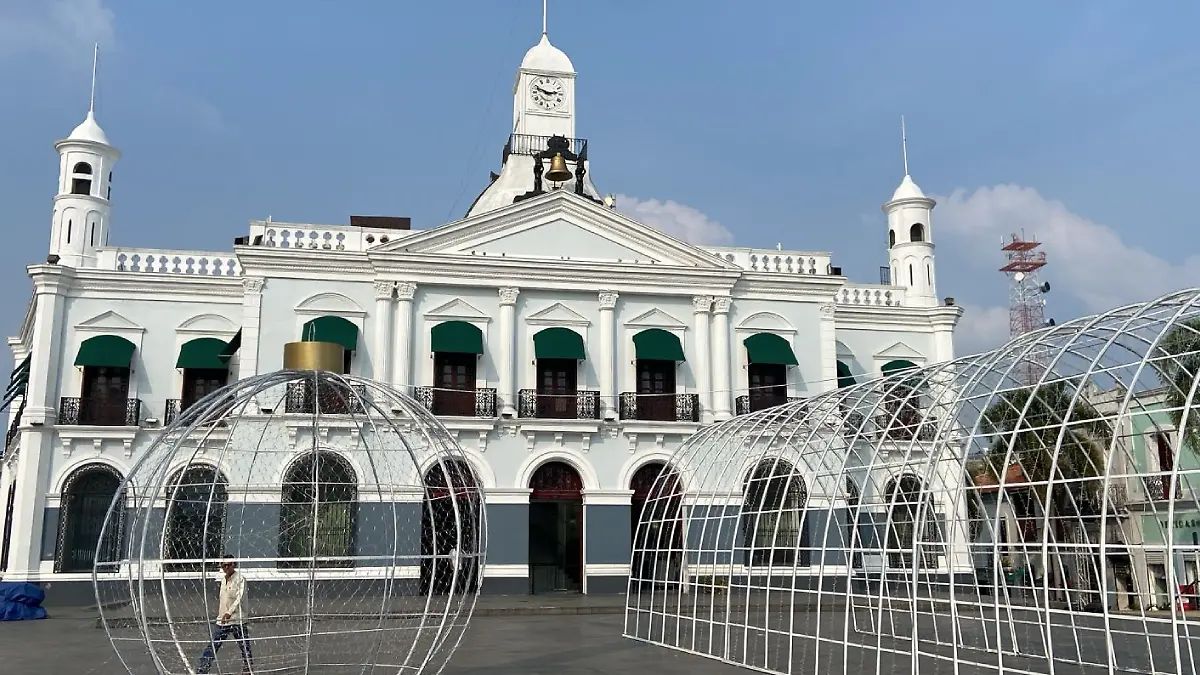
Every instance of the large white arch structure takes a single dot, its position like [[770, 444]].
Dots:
[[1032, 509]]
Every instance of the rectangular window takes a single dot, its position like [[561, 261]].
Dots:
[[655, 390], [105, 396], [454, 384], [557, 388], [200, 382], [768, 385]]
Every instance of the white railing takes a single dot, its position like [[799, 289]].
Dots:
[[773, 260], [870, 295], [321, 237], [158, 261]]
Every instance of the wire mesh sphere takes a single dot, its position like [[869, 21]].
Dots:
[[1031, 509], [300, 522]]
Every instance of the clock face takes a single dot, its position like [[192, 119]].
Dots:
[[547, 93]]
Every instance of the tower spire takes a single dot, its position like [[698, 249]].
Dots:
[[543, 17], [95, 60], [904, 144]]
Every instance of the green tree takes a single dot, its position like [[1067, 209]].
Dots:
[[1177, 364]]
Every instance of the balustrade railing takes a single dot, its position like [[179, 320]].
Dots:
[[175, 407], [582, 405], [301, 398], [103, 412], [660, 407], [458, 403], [748, 403]]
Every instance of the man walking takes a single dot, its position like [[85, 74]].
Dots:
[[230, 618]]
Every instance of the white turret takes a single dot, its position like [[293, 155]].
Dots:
[[82, 210], [910, 238]]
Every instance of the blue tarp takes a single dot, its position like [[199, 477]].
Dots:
[[21, 601]]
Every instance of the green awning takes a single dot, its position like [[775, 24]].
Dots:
[[558, 343], [657, 344], [231, 347], [16, 383], [456, 337], [110, 351], [769, 348], [202, 353], [897, 366], [845, 378], [332, 329]]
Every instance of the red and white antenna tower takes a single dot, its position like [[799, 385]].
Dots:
[[1026, 306]]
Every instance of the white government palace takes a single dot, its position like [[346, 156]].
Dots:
[[569, 348]]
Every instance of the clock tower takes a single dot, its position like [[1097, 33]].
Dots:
[[544, 94]]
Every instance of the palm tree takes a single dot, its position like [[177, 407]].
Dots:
[[1177, 372]]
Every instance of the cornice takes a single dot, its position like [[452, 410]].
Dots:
[[50, 279], [109, 284], [296, 263], [859, 316]]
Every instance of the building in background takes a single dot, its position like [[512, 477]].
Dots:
[[568, 348]]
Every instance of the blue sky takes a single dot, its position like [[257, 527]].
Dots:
[[762, 122]]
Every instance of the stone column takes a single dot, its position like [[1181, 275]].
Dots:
[[827, 334], [37, 426], [252, 293], [722, 384], [507, 389], [381, 357], [701, 304], [608, 361], [402, 368]]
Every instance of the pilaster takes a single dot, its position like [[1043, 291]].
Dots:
[[252, 293], [827, 334], [507, 391], [608, 361], [722, 384], [701, 306], [402, 368], [381, 358]]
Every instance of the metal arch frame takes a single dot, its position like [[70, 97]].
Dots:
[[1072, 433], [150, 615]]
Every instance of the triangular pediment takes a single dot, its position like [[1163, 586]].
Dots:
[[557, 226], [656, 318], [109, 320], [457, 309], [900, 350], [558, 314]]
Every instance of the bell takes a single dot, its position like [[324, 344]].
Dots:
[[558, 173]]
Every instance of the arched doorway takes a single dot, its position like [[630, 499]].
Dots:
[[450, 534], [196, 504], [86, 497], [318, 514], [656, 526], [906, 512], [556, 529], [773, 527]]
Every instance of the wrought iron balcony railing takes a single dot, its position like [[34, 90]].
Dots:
[[458, 403], [660, 407], [525, 144], [749, 403], [102, 412], [582, 405], [1158, 487], [175, 407], [328, 400]]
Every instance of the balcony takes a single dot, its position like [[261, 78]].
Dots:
[[329, 400], [1158, 487], [101, 412], [748, 404], [525, 144], [660, 407], [452, 403], [582, 405]]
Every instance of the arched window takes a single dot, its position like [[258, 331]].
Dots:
[[93, 241], [910, 275], [929, 274], [908, 506], [196, 506], [86, 497], [891, 238], [773, 528], [70, 223], [319, 512], [556, 522], [916, 232], [655, 524], [450, 529], [81, 179]]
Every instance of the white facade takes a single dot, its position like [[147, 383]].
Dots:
[[554, 258]]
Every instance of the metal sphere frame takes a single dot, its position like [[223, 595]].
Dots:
[[354, 517], [1024, 510]]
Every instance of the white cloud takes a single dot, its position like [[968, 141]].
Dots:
[[1088, 261], [675, 219], [57, 28], [980, 329]]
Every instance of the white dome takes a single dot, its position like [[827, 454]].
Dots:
[[545, 56], [908, 190], [89, 131]]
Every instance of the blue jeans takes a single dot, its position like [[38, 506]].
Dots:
[[240, 633]]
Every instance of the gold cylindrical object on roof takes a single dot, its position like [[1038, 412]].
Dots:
[[328, 356]]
